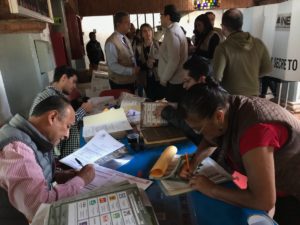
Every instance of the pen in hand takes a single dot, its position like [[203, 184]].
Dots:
[[78, 161]]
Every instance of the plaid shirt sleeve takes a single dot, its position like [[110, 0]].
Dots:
[[79, 114]]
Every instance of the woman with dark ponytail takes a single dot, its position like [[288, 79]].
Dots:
[[256, 137]]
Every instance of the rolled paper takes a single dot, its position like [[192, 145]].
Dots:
[[161, 165]]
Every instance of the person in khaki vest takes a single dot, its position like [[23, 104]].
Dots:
[[206, 39], [122, 67], [256, 138]]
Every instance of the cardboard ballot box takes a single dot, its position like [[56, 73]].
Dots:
[[99, 83]]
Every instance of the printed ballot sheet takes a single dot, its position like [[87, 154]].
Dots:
[[101, 145], [120, 204]]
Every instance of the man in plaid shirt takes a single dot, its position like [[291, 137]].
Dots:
[[64, 81]]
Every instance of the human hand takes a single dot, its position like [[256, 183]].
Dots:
[[62, 177], [87, 106], [187, 171], [202, 184], [150, 63], [87, 173], [158, 110]]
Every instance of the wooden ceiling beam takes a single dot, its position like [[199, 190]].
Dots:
[[21, 26], [110, 7]]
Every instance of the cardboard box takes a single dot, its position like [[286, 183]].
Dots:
[[100, 82]]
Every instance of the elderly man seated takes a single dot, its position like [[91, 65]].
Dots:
[[27, 169]]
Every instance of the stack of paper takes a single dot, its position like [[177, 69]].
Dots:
[[99, 147], [132, 106], [100, 103], [112, 121]]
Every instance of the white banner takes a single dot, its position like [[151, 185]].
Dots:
[[283, 31]]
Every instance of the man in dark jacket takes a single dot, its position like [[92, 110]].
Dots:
[[94, 51]]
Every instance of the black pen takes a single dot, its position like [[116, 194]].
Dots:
[[78, 161]]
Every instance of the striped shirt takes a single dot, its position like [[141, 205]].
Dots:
[[71, 144], [24, 181]]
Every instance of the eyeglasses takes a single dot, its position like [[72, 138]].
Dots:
[[199, 131]]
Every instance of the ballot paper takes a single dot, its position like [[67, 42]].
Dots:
[[118, 204], [100, 146]]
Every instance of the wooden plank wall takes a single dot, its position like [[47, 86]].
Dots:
[[110, 7]]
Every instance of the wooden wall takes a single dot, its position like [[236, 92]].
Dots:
[[110, 7], [226, 4]]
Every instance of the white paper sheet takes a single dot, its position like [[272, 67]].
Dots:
[[112, 121], [99, 146], [106, 177]]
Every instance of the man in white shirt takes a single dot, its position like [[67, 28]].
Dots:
[[172, 54]]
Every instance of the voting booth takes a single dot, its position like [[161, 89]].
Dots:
[[277, 25]]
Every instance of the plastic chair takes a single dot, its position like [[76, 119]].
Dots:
[[113, 92]]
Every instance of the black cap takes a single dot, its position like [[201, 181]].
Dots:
[[197, 66], [172, 12]]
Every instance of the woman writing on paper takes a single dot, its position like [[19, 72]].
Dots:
[[257, 138]]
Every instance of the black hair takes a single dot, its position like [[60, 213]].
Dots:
[[145, 25], [61, 70], [200, 37], [203, 99], [233, 19], [210, 13], [118, 17], [196, 66], [172, 12], [91, 33], [55, 102]]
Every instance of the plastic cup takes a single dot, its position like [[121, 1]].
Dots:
[[133, 140], [260, 220]]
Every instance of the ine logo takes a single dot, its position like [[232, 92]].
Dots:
[[283, 21]]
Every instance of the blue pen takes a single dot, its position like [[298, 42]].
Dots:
[[78, 161]]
